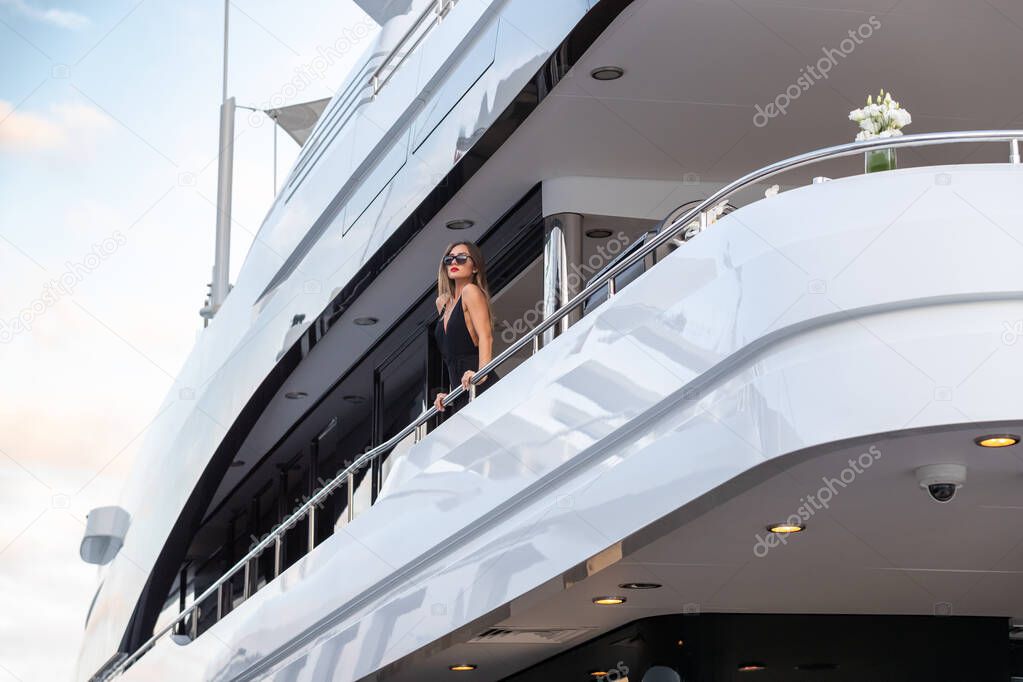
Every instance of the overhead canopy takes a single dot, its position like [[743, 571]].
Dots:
[[298, 120], [382, 10]]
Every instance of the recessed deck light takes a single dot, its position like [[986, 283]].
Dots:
[[639, 586], [785, 528], [607, 73], [354, 399], [751, 667], [459, 224], [462, 667], [296, 395], [598, 233], [365, 321], [610, 600], [999, 440], [238, 463]]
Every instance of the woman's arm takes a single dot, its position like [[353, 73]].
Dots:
[[479, 317]]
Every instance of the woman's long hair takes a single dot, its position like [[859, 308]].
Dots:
[[446, 285]]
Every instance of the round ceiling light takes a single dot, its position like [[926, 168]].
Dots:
[[598, 233], [459, 224], [462, 667], [609, 600], [999, 440], [751, 667], [296, 395], [639, 586], [365, 321], [785, 528], [607, 73]]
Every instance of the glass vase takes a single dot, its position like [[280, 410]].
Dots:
[[879, 160]]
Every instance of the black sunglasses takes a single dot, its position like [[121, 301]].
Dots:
[[460, 258]]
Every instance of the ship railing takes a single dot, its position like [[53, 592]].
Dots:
[[677, 231], [352, 98]]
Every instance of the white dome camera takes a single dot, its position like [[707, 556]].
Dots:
[[941, 481]]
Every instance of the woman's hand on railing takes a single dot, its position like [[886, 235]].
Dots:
[[438, 402]]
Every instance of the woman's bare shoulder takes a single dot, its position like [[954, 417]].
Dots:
[[472, 292]]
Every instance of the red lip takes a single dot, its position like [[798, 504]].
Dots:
[[454, 268]]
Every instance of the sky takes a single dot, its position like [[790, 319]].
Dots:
[[109, 120]]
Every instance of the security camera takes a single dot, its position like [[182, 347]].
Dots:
[[941, 481]]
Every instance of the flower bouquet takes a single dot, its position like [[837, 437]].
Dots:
[[884, 118]]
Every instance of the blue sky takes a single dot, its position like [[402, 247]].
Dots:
[[108, 140]]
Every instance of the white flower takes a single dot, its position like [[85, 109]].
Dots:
[[901, 118], [883, 117]]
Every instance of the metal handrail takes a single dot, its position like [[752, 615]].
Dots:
[[440, 8], [339, 116], [677, 226]]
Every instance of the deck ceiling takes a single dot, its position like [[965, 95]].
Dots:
[[696, 69]]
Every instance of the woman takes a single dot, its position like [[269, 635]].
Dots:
[[464, 331]]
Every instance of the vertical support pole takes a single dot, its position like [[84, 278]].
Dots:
[[252, 566], [282, 513], [247, 577], [351, 496], [1014, 152], [225, 173], [314, 477], [278, 555], [561, 254], [574, 283], [650, 260], [220, 601]]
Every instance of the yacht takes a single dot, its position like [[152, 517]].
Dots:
[[759, 410]]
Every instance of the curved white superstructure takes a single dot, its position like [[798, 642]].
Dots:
[[837, 335], [781, 334]]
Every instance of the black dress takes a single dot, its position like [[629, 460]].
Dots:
[[459, 352]]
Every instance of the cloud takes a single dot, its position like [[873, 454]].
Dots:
[[67, 123], [27, 131], [56, 17]]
